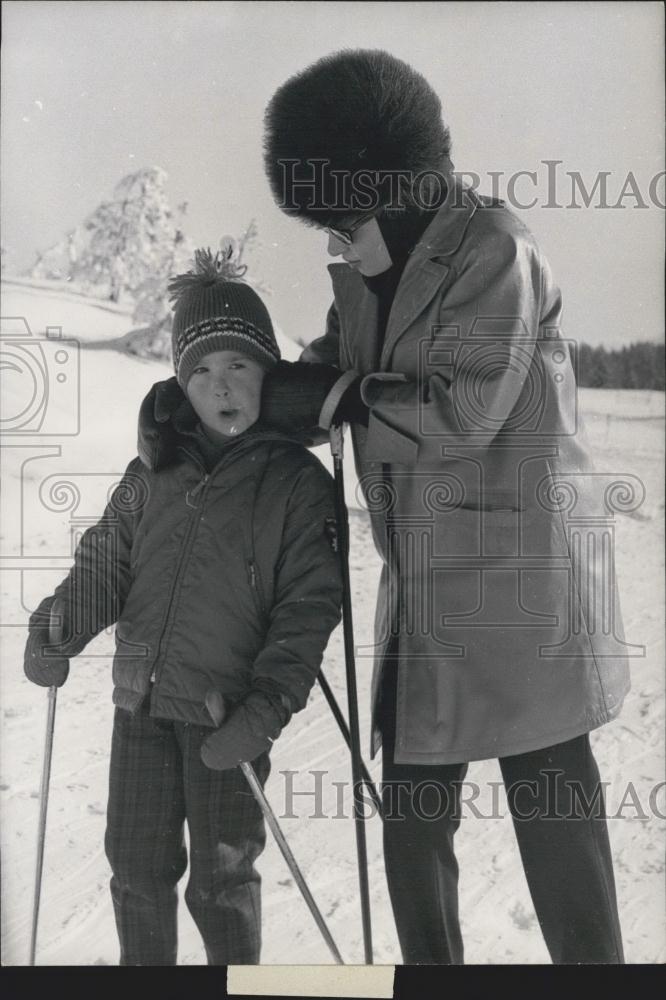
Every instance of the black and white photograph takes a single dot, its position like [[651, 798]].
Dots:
[[332, 448]]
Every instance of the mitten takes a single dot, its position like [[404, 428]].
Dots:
[[293, 394], [158, 437], [47, 669], [167, 397], [248, 731]]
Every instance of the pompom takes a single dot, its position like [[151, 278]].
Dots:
[[208, 270]]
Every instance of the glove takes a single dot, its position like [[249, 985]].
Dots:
[[351, 409], [293, 394], [247, 732], [40, 667]]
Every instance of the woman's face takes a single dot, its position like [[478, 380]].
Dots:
[[367, 252], [225, 391]]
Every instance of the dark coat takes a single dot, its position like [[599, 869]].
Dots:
[[215, 580], [495, 531]]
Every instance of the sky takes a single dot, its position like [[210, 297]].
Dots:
[[93, 91]]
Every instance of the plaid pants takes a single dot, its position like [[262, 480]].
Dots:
[[157, 781]]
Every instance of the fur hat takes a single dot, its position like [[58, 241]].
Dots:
[[362, 110], [215, 310]]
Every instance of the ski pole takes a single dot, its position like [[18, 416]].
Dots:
[[55, 627], [336, 441], [217, 709], [344, 729]]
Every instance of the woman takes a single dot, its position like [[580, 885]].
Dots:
[[498, 631]]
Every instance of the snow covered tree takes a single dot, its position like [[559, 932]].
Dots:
[[151, 302], [131, 245], [129, 237], [124, 242]]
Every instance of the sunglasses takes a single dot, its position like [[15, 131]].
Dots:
[[346, 235]]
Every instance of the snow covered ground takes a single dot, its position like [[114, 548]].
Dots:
[[42, 509]]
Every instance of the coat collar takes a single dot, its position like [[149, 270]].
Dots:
[[446, 231], [424, 272]]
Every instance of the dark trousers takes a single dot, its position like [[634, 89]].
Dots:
[[562, 838], [157, 781]]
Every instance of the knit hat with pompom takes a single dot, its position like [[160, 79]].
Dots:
[[215, 310]]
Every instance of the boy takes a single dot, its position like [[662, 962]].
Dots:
[[213, 557]]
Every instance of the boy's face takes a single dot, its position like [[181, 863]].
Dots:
[[225, 391]]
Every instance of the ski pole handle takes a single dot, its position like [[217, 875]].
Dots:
[[336, 440]]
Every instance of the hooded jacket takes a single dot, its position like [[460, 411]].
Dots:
[[495, 530], [224, 579]]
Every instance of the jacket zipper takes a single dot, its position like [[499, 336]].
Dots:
[[190, 495], [255, 576], [184, 552], [196, 495]]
